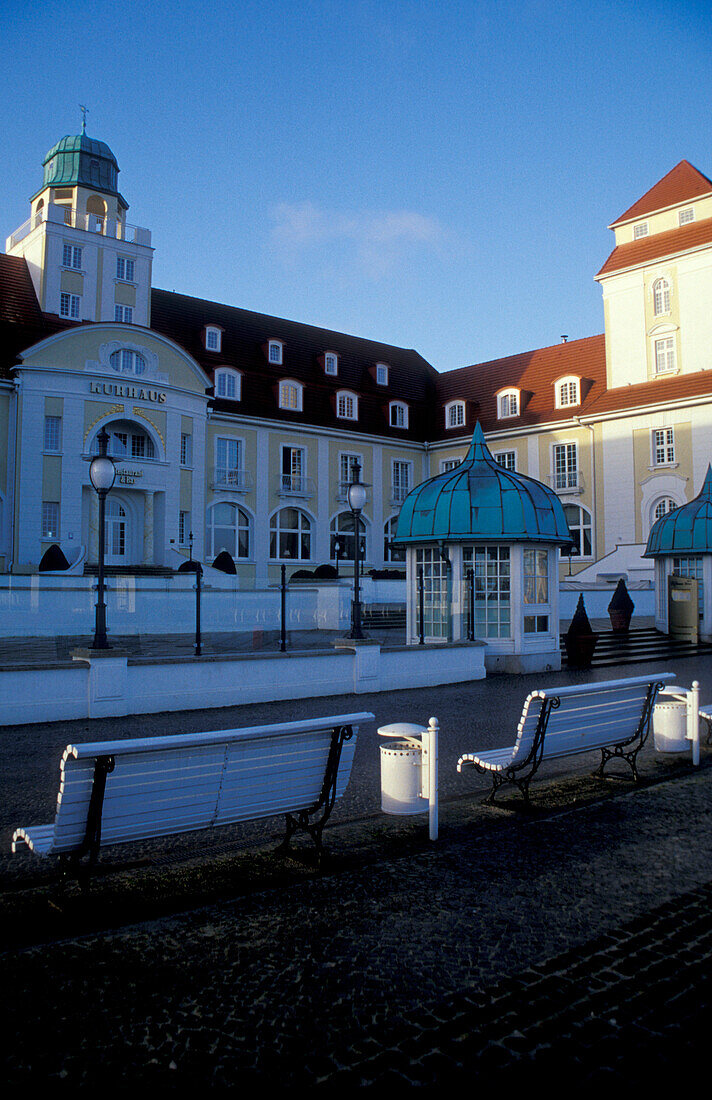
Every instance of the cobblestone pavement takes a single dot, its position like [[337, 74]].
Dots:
[[569, 945]]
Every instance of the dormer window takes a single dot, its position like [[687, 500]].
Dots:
[[213, 338], [567, 392], [290, 394], [331, 363], [381, 374], [346, 405], [398, 414], [640, 230], [228, 384], [686, 216], [455, 414], [274, 351], [508, 404]]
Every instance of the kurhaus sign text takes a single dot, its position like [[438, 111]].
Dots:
[[125, 389]]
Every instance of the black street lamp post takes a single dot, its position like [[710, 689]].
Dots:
[[102, 473], [356, 496]]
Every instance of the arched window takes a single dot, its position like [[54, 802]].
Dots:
[[390, 552], [342, 529], [508, 404], [128, 361], [661, 296], [661, 507], [346, 405], [228, 529], [567, 392], [455, 414], [398, 416], [213, 338], [127, 440], [290, 395], [290, 535], [579, 521]]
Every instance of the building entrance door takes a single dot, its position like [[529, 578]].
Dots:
[[116, 538]]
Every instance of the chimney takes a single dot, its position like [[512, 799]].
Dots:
[[564, 339]]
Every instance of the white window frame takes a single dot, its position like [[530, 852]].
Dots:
[[125, 269], [506, 459], [660, 507], [227, 380], [507, 404], [306, 527], [186, 449], [640, 230], [664, 354], [584, 524], [347, 461], [455, 414], [447, 464], [213, 338], [382, 374], [401, 479], [123, 315], [398, 414], [70, 305], [568, 392], [331, 363], [289, 388], [295, 480], [662, 291], [129, 361], [662, 442], [243, 525], [686, 216], [275, 352], [347, 405], [71, 256], [52, 434], [565, 466]]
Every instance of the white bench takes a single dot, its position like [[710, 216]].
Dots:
[[118, 791], [612, 715]]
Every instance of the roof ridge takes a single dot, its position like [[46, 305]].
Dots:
[[676, 186]]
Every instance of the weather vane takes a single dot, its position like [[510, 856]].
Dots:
[[83, 109]]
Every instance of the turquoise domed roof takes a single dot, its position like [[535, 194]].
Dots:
[[685, 530], [480, 499], [81, 160]]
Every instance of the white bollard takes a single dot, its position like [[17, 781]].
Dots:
[[693, 720]]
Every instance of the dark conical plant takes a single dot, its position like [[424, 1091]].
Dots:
[[580, 640], [620, 608], [579, 624]]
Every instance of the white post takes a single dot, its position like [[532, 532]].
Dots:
[[693, 720], [432, 754]]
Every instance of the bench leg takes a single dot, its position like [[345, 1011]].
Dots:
[[617, 753]]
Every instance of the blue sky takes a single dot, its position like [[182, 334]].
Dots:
[[437, 175]]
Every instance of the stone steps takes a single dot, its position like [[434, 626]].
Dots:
[[645, 644]]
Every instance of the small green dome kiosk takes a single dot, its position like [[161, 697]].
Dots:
[[681, 544], [482, 550]]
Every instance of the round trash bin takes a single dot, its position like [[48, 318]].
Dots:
[[401, 770], [670, 727]]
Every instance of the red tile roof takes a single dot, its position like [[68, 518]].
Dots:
[[658, 246], [682, 183], [532, 372]]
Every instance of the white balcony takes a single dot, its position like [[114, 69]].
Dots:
[[567, 481], [89, 223], [231, 480], [294, 485]]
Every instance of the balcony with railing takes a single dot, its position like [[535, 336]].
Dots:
[[294, 485], [228, 479], [90, 223], [398, 494], [567, 481]]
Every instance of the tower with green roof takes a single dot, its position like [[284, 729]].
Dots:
[[86, 261]]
